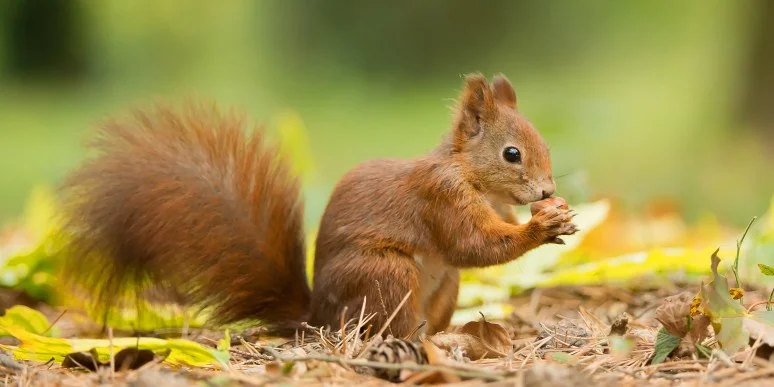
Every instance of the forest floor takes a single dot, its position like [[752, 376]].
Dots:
[[559, 336]]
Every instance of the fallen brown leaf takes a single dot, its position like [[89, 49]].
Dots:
[[699, 326], [472, 346], [673, 313], [620, 325], [125, 359], [435, 355], [493, 336]]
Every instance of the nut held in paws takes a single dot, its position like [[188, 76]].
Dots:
[[554, 201]]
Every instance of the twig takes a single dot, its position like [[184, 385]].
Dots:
[[466, 373], [749, 375], [367, 333], [54, 322], [555, 331], [416, 329], [681, 376], [251, 354], [342, 331], [357, 328], [184, 333], [381, 299], [112, 355], [536, 345], [355, 333], [753, 348], [751, 307], [723, 358], [386, 324], [394, 313], [735, 267], [673, 364], [8, 362]]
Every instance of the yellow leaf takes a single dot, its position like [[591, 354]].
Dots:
[[141, 316], [471, 294], [630, 266], [25, 318], [181, 352], [528, 270]]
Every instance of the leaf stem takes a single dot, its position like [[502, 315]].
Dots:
[[768, 305], [735, 268]]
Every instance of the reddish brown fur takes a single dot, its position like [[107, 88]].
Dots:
[[451, 207], [191, 194], [185, 199]]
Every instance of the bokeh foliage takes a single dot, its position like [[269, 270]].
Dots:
[[639, 100]]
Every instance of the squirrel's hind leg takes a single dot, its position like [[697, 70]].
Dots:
[[383, 280]]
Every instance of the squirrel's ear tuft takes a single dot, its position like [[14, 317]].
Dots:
[[503, 91], [477, 98]]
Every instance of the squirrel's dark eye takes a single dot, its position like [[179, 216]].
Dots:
[[512, 155]]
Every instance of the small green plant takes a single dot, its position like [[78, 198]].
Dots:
[[735, 267], [769, 272]]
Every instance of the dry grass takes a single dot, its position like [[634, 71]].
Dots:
[[560, 337]]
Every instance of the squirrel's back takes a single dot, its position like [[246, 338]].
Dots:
[[188, 203]]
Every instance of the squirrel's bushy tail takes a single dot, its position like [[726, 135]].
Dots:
[[189, 204]]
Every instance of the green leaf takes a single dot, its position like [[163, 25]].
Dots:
[[766, 269], [224, 344], [620, 346], [32, 270], [731, 334], [665, 344], [288, 367], [25, 318], [725, 313], [142, 315], [561, 357], [703, 351], [732, 324]]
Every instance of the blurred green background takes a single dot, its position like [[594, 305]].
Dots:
[[639, 100]]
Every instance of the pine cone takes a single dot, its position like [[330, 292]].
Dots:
[[395, 351]]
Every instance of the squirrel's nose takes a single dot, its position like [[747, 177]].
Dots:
[[547, 194]]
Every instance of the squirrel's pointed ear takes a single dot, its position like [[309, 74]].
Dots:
[[503, 91], [477, 98]]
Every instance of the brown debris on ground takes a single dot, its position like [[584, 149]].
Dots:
[[560, 336]]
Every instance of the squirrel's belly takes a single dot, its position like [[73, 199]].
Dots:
[[433, 271]]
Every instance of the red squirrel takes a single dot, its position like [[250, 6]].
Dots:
[[190, 203]]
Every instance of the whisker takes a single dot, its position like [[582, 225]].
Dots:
[[563, 175]]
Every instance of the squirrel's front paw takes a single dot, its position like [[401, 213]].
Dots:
[[551, 222]]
